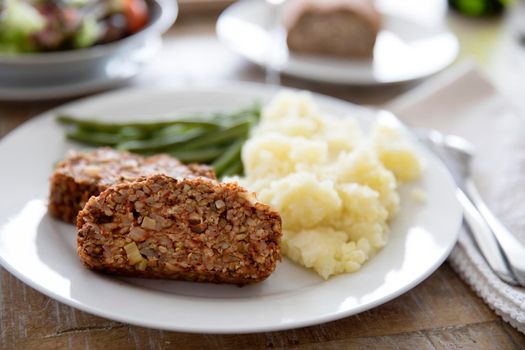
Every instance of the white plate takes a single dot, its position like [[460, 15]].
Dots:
[[41, 251], [404, 51]]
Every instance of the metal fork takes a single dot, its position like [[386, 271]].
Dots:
[[502, 251]]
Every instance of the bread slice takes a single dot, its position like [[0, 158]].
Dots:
[[340, 28]]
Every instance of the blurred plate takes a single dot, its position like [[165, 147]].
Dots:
[[45, 75], [115, 72], [41, 251], [405, 50]]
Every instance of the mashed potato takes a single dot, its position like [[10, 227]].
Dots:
[[335, 187]]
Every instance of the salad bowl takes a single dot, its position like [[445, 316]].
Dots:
[[114, 61]]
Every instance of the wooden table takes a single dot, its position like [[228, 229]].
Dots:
[[442, 312]]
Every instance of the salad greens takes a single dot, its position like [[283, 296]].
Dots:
[[53, 25], [18, 21]]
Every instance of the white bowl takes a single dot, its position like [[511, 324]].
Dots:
[[66, 67]]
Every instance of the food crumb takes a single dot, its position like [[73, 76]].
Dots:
[[418, 195]]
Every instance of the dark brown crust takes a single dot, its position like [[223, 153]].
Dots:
[[67, 196], [85, 174], [185, 229]]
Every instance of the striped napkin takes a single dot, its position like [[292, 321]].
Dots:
[[463, 102]]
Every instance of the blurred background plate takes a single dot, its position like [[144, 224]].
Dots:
[[115, 72], [75, 72], [405, 50]]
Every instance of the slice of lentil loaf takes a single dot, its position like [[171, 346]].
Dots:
[[187, 229], [85, 174]]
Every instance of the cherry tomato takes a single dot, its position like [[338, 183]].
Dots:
[[136, 12]]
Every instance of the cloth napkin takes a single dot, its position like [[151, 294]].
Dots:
[[463, 102]]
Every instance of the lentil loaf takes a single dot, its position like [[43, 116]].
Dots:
[[85, 174], [194, 229]]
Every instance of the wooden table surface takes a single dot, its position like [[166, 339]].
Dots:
[[440, 313]]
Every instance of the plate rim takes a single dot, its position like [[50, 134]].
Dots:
[[219, 330]]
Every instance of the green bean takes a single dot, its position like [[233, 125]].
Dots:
[[253, 111], [97, 125], [205, 138], [197, 120], [171, 130], [161, 143], [94, 139], [129, 133], [202, 155], [230, 156], [220, 136]]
